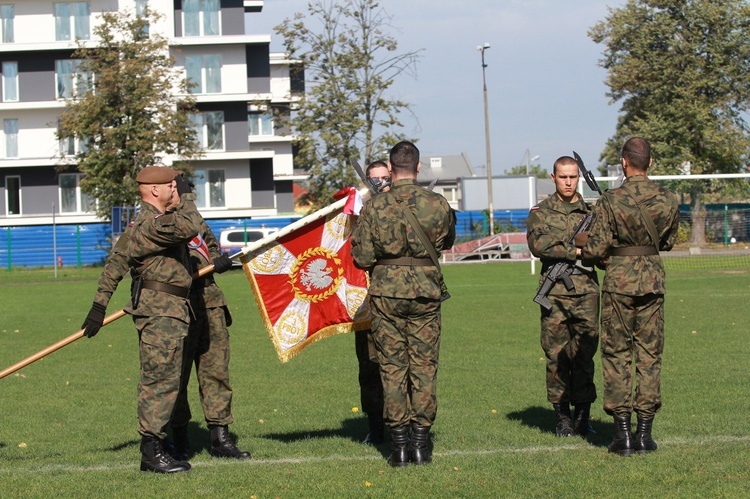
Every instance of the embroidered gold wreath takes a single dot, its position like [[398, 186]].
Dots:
[[304, 258]]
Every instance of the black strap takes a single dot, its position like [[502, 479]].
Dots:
[[166, 288]]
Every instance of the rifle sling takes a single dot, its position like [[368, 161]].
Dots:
[[420, 233], [650, 228]]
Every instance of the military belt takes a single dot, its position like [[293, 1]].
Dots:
[[406, 261], [635, 251], [167, 288]]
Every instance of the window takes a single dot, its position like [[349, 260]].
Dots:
[[205, 73], [10, 81], [450, 194], [209, 188], [13, 195], [72, 198], [72, 21], [140, 9], [72, 80], [7, 15], [10, 128], [260, 123], [209, 129], [201, 17], [72, 146]]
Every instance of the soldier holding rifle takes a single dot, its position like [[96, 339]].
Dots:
[[631, 225], [570, 310]]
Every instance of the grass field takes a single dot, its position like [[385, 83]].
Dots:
[[68, 424]]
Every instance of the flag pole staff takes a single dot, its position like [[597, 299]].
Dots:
[[323, 212]]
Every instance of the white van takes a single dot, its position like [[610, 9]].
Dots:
[[233, 239]]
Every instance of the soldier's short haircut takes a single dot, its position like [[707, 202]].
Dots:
[[561, 161], [375, 164], [638, 153], [404, 157]]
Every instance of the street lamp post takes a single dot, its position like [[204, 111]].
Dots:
[[481, 49], [529, 160]]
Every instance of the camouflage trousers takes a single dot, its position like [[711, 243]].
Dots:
[[407, 338], [632, 337], [569, 338], [207, 347], [161, 342], [370, 385]]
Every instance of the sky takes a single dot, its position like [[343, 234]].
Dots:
[[545, 89]]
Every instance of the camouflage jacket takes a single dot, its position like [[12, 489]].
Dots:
[[203, 249], [114, 270], [549, 229], [157, 248], [618, 223], [382, 231]]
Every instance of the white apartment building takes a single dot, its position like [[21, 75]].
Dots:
[[247, 168]]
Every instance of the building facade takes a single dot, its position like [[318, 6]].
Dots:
[[247, 167]]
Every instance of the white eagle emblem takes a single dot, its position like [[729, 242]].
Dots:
[[316, 274]]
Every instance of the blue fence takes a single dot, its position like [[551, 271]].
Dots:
[[89, 244]]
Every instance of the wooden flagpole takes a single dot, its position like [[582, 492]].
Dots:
[[205, 270]]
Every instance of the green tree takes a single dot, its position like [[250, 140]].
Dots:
[[123, 111], [535, 170], [350, 62], [681, 69]]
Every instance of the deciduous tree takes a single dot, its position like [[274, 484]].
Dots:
[[681, 70], [350, 62], [124, 111]]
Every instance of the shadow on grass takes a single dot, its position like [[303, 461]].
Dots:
[[354, 429], [544, 420]]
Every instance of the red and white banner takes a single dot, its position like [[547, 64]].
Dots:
[[306, 285]]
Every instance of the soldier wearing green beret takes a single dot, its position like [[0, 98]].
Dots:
[[405, 293]]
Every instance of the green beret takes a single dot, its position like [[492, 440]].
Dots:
[[156, 175]]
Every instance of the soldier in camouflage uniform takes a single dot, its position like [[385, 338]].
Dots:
[[570, 329], [632, 224], [370, 385], [156, 245], [207, 346], [405, 292]]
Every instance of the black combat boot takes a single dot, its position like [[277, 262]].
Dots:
[[399, 447], [181, 445], [642, 441], [420, 443], [223, 446], [154, 458], [622, 443], [581, 421], [377, 426], [564, 426]]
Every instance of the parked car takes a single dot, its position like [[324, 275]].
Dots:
[[233, 239]]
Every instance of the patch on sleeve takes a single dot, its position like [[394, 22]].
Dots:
[[158, 216], [534, 208]]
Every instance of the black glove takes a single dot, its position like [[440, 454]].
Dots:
[[183, 186], [94, 321], [222, 264]]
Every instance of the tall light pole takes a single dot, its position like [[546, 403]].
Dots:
[[482, 48], [529, 160]]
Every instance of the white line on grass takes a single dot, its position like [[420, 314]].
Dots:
[[317, 459]]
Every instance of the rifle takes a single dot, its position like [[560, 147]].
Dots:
[[563, 269]]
